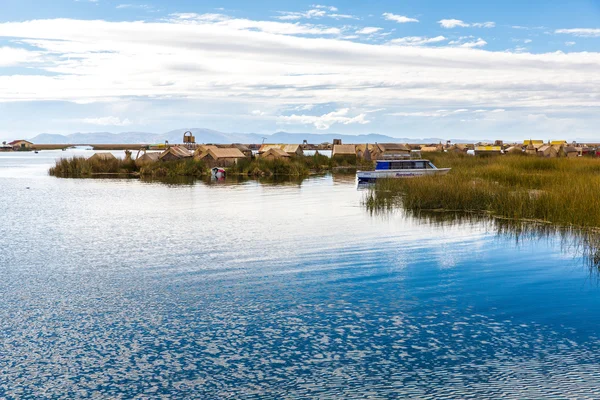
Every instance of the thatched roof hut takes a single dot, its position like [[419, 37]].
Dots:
[[457, 148], [531, 149], [175, 153], [147, 158], [102, 157], [571, 151], [344, 150], [275, 154], [514, 150], [291, 149], [430, 149], [547, 151], [243, 148], [221, 157], [391, 150], [488, 150]]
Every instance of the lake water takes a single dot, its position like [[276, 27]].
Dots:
[[130, 289]]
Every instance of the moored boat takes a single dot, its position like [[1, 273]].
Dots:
[[400, 169]]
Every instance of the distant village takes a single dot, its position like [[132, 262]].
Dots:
[[228, 154]]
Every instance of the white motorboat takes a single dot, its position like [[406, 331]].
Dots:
[[400, 169]]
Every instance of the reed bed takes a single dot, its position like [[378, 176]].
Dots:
[[188, 168], [560, 191], [80, 167], [296, 166]]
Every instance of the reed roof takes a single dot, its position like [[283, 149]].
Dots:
[[277, 153], [343, 150]]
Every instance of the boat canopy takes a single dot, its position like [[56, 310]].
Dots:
[[404, 164]]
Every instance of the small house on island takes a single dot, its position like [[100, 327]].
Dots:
[[344, 152], [175, 153], [391, 150], [517, 149], [21, 145], [488, 150], [531, 149], [291, 149], [457, 148], [548, 151], [535, 143], [221, 157], [102, 157], [431, 149], [147, 158], [275, 154], [571, 151]]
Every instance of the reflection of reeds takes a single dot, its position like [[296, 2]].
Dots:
[[559, 191], [581, 242]]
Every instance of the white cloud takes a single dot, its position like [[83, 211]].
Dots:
[[284, 28], [12, 56], [325, 121], [570, 43], [140, 6], [368, 30], [477, 43], [443, 113], [107, 121], [417, 40], [581, 32], [452, 23], [401, 19], [527, 41], [316, 12], [189, 58], [484, 24], [258, 113], [457, 23]]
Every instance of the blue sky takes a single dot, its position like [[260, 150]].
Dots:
[[470, 69]]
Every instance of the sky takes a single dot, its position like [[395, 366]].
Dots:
[[509, 69]]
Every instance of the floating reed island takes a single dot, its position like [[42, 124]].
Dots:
[[562, 191], [196, 162]]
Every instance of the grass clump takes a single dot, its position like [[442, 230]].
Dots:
[[172, 169], [560, 191], [80, 167]]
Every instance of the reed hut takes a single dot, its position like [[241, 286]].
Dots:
[[291, 149], [346, 152], [275, 154], [221, 157], [243, 148], [147, 158], [533, 142], [203, 148], [457, 148], [430, 149], [488, 150], [531, 149], [514, 150], [391, 150], [102, 157], [175, 153], [571, 151], [547, 151]]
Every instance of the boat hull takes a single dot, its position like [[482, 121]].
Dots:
[[366, 176]]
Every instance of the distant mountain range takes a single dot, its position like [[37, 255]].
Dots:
[[211, 136]]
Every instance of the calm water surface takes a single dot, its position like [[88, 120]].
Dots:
[[127, 289]]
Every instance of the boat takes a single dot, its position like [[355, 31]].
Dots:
[[400, 169], [217, 173]]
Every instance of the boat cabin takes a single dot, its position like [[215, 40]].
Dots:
[[403, 164]]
